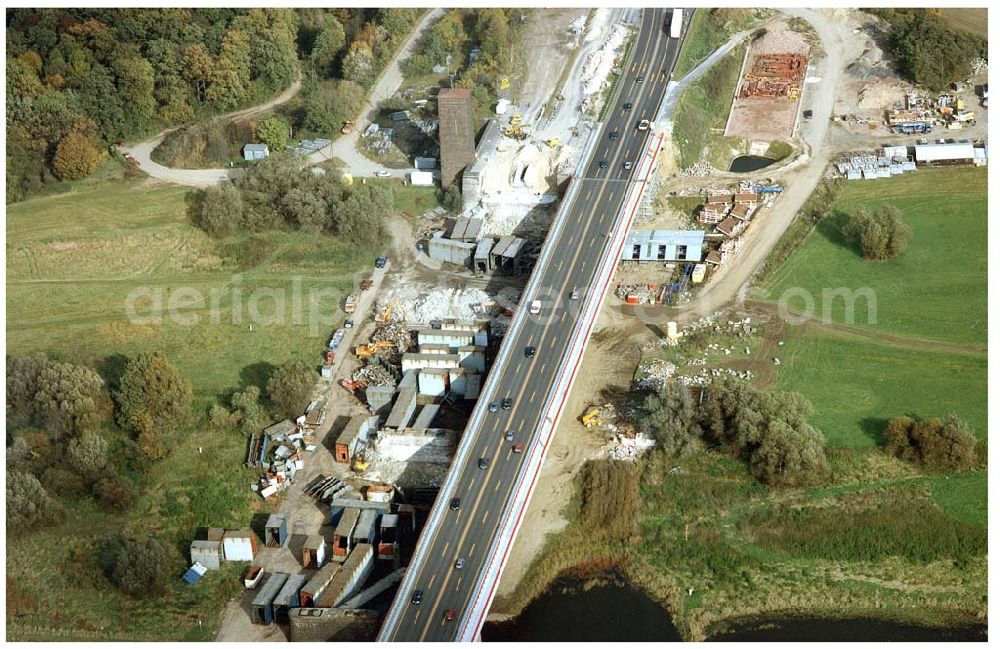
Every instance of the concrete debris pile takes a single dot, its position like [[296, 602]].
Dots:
[[377, 374], [285, 449], [657, 373], [528, 210], [706, 376], [419, 307], [396, 333], [600, 63], [698, 170], [629, 449], [740, 327]]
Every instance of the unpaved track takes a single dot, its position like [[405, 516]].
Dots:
[[343, 148], [799, 183]]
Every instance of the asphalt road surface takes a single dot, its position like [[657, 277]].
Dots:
[[467, 533]]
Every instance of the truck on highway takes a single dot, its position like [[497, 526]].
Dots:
[[676, 23]]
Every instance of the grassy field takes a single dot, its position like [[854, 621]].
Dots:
[[73, 261], [707, 30], [704, 107], [856, 384], [936, 289], [970, 19]]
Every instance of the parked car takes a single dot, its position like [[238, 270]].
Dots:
[[808, 114], [381, 262], [455, 504], [483, 463], [349, 324], [382, 174], [418, 596]]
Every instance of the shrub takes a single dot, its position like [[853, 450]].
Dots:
[[916, 40], [63, 482], [942, 444], [672, 421], [290, 387], [152, 397], [28, 504], [88, 453], [76, 157], [881, 235], [138, 566], [274, 133], [114, 494]]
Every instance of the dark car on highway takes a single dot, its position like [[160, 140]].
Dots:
[[603, 164], [418, 596], [493, 406], [627, 107], [455, 503], [483, 463], [507, 403], [613, 135], [529, 352]]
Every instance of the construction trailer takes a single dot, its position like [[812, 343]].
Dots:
[[287, 598], [310, 593], [402, 411], [454, 252], [388, 537], [482, 262], [426, 417], [314, 551], [350, 578], [261, 609], [355, 432], [467, 229], [364, 531], [663, 245], [207, 553], [276, 531], [342, 535], [239, 545]]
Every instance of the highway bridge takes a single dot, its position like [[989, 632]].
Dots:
[[491, 482]]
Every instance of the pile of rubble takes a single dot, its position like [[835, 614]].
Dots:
[[699, 169], [377, 374], [629, 449], [417, 307], [396, 333], [658, 372], [287, 458], [600, 63], [706, 376], [739, 328]]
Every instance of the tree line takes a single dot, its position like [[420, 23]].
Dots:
[[766, 429], [81, 78], [281, 192]]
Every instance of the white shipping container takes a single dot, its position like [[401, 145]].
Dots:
[[422, 178]]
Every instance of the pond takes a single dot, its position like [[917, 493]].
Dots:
[[571, 612], [611, 609], [745, 163]]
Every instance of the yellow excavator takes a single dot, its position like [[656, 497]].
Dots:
[[597, 415], [553, 142], [367, 351], [360, 461], [387, 314]]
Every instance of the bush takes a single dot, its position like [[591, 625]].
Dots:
[[942, 444], [671, 420], [152, 397], [114, 494], [88, 453], [274, 133], [290, 386], [76, 157], [881, 235], [916, 40], [28, 504], [63, 482], [138, 566]]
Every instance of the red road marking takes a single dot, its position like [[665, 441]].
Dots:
[[562, 403]]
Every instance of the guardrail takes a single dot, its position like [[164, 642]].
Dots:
[[473, 616], [465, 446]]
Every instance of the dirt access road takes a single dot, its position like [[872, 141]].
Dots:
[[342, 148], [799, 181]]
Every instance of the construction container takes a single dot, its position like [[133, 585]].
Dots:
[[388, 537], [311, 592], [261, 609], [412, 361], [207, 553], [350, 578], [422, 178], [239, 546], [433, 381], [326, 371], [276, 531], [314, 551], [287, 598], [365, 530], [698, 274], [253, 576], [342, 542], [632, 298]]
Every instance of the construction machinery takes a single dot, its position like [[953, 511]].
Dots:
[[553, 142], [348, 127], [386, 315], [360, 461], [351, 385], [367, 351], [595, 415], [515, 129]]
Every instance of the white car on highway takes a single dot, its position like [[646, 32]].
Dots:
[[643, 125]]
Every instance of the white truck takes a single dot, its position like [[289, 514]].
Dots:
[[676, 23]]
